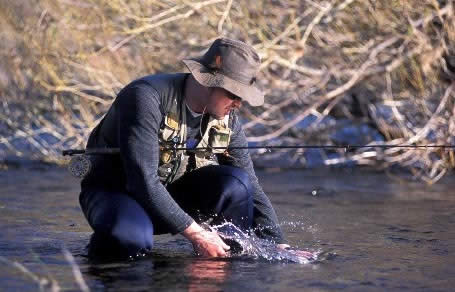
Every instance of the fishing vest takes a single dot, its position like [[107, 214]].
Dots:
[[174, 163]]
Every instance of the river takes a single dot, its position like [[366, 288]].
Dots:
[[374, 232]]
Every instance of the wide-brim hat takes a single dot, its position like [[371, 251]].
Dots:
[[232, 65]]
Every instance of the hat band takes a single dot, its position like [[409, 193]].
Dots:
[[246, 80]]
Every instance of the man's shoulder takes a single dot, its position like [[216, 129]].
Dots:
[[163, 87], [163, 82], [235, 120]]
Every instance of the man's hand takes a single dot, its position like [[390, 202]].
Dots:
[[206, 243]]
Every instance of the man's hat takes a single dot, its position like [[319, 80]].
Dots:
[[232, 65]]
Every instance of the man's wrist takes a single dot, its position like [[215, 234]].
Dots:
[[191, 231]]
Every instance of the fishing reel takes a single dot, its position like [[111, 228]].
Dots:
[[80, 165]]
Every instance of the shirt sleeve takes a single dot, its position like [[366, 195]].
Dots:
[[139, 118], [265, 221]]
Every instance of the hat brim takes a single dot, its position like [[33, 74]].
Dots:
[[204, 76]]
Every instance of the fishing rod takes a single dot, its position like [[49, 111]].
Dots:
[[95, 151], [80, 165]]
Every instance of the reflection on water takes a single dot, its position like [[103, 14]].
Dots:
[[375, 233], [209, 274]]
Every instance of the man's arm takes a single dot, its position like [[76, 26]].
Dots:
[[265, 221], [139, 119]]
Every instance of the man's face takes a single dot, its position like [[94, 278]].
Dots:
[[221, 102]]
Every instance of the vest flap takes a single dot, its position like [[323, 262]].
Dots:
[[172, 120]]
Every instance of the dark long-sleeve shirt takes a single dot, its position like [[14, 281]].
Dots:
[[132, 124]]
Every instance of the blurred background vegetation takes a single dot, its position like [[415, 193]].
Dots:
[[335, 72]]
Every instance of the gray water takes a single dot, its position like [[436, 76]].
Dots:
[[374, 232]]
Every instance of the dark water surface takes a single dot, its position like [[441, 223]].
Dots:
[[379, 234]]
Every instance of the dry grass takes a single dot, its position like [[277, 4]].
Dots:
[[63, 62], [48, 283]]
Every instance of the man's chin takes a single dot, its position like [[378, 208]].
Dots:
[[217, 117]]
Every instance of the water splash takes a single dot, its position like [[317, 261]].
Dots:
[[251, 246]]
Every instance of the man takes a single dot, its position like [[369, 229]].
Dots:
[[152, 189]]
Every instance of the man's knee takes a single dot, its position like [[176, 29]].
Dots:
[[237, 185], [133, 232], [236, 201], [120, 222]]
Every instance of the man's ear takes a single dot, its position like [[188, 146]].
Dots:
[[210, 91]]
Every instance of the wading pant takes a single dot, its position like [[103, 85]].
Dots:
[[123, 228]]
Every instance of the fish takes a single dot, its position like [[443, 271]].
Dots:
[[247, 245]]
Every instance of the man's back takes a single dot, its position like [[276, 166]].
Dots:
[[156, 94]]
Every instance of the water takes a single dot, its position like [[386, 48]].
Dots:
[[249, 246], [374, 233]]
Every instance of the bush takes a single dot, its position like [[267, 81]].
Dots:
[[386, 64]]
